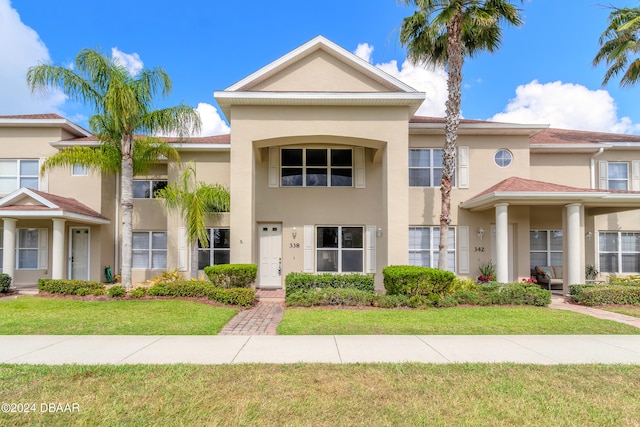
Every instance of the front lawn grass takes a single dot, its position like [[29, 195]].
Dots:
[[52, 316], [449, 321], [629, 311], [325, 395]]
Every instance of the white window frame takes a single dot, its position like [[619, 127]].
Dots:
[[503, 158], [150, 189], [619, 253], [329, 167], [18, 176], [79, 170], [38, 248], [212, 249], [548, 251], [150, 250], [429, 169], [432, 249], [611, 179], [340, 249]]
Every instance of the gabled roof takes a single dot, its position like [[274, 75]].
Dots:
[[395, 93], [522, 191], [29, 203], [43, 120]]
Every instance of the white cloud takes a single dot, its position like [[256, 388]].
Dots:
[[21, 48], [566, 106], [429, 79], [212, 123], [364, 51], [130, 61]]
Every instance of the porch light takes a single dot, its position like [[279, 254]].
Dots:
[[294, 232], [379, 232], [480, 233], [588, 235]]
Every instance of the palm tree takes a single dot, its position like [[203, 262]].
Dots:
[[445, 32], [122, 105], [195, 201], [618, 43]]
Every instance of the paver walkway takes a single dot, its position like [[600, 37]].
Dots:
[[262, 319]]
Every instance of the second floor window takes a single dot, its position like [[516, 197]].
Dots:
[[618, 175], [316, 167], [16, 174], [146, 188], [425, 167]]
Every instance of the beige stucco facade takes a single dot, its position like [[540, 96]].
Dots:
[[514, 185]]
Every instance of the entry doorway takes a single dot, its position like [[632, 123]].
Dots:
[[79, 238], [270, 256]]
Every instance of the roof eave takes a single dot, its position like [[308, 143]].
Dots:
[[61, 123], [599, 198], [478, 128]]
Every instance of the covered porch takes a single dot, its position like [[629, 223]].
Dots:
[[45, 235], [574, 208]]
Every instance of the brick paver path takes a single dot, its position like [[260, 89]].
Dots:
[[263, 319]]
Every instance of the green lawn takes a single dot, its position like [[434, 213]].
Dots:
[[51, 316], [629, 311], [325, 395], [450, 321]]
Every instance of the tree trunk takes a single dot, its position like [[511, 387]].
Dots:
[[126, 200], [193, 268], [455, 54]]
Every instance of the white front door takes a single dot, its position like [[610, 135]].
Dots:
[[270, 267], [79, 253]]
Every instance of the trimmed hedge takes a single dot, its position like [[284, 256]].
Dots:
[[71, 287], [232, 275], [330, 296], [605, 294], [412, 281], [303, 282], [504, 294], [198, 288], [5, 283]]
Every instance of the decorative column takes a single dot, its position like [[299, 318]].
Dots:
[[502, 242], [57, 252], [573, 268], [9, 247]]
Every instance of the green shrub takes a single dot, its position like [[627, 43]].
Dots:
[[447, 301], [331, 296], [70, 287], [504, 294], [295, 282], [232, 275], [138, 292], [606, 294], [5, 283], [234, 296], [391, 301], [117, 291], [182, 288], [413, 280]]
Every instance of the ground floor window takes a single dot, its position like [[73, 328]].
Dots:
[[27, 248], [340, 249], [545, 248], [619, 251], [150, 249], [423, 247], [219, 251]]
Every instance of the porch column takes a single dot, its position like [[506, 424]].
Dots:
[[502, 242], [573, 268], [9, 247], [57, 252]]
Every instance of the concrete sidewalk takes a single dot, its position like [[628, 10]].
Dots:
[[341, 349]]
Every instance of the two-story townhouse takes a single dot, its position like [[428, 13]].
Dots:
[[330, 171]]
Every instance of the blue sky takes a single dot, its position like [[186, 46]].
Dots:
[[541, 74]]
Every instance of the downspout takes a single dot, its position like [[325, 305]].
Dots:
[[593, 167]]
